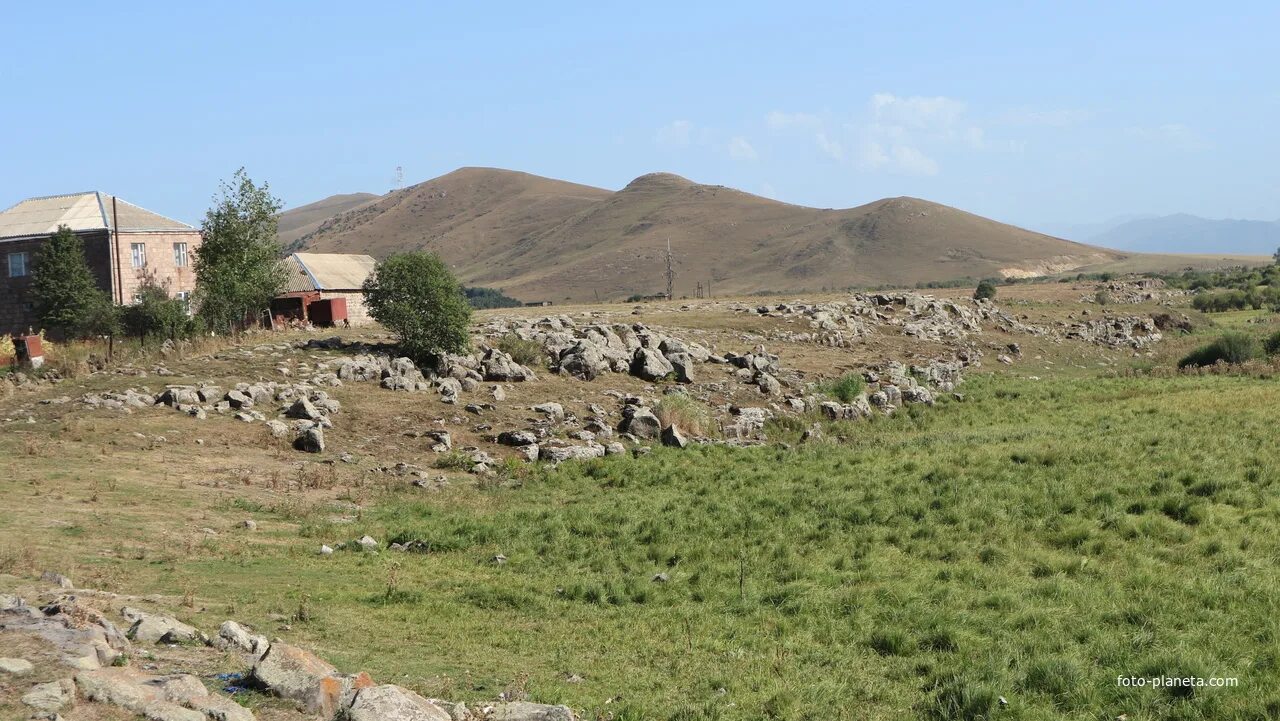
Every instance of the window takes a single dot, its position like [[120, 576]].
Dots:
[[139, 251], [18, 264], [180, 255]]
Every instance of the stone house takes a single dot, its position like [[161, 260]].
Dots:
[[124, 244], [324, 280]]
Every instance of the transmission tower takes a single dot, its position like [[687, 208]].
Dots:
[[671, 273], [398, 179]]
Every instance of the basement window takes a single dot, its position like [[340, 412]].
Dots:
[[139, 253], [18, 264]]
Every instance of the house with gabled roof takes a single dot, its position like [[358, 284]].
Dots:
[[126, 246], [325, 289]]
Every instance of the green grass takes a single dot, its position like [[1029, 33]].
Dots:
[[845, 388], [1034, 542]]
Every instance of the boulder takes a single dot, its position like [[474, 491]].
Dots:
[[682, 366], [303, 409], [236, 636], [553, 410], [525, 711], [393, 703], [649, 364], [298, 675], [559, 454], [441, 441], [517, 438], [279, 429], [498, 366], [311, 440], [672, 437], [51, 697], [15, 666], [154, 628], [584, 361], [640, 422]]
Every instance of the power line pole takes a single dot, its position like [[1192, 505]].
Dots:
[[671, 273]]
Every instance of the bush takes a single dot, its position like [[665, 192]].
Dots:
[[416, 297], [524, 352], [157, 315], [1270, 346], [480, 298], [685, 412], [845, 388], [1227, 300], [1102, 297], [985, 290], [1233, 347]]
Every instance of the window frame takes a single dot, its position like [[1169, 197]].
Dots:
[[25, 255], [138, 251], [181, 257]]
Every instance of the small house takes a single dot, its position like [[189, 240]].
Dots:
[[324, 289]]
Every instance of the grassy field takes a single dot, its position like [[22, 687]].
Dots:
[[1033, 542]]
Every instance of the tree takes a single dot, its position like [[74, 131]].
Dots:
[[67, 297], [416, 297], [985, 289], [238, 265]]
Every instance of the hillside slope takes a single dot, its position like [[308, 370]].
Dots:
[[540, 238], [294, 223], [1184, 233]]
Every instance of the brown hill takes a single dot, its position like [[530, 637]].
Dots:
[[539, 238], [297, 222]]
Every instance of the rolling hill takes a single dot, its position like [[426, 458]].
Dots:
[[1183, 233], [544, 239], [297, 222]]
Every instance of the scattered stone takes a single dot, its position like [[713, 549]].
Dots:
[[393, 703], [517, 438], [236, 636], [51, 697], [15, 666], [525, 711], [57, 579], [297, 675], [310, 440], [154, 628], [325, 550], [367, 543], [672, 437], [555, 411]]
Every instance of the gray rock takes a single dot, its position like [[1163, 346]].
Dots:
[[393, 703], [525, 711], [441, 441], [303, 409], [154, 628], [640, 422], [649, 364], [237, 636], [559, 454], [56, 579], [672, 437], [310, 440], [615, 449], [553, 410], [517, 438], [499, 366], [51, 697], [298, 675], [15, 666]]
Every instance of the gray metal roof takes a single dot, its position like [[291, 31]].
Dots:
[[80, 212], [327, 271]]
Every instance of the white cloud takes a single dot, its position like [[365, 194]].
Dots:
[[779, 120], [1058, 118], [832, 148], [1173, 135], [900, 159], [741, 149], [676, 134], [916, 111]]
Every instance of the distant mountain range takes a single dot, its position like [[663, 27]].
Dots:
[[540, 238], [1180, 233]]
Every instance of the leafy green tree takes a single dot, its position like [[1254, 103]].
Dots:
[[985, 289], [67, 297], [238, 264], [157, 315], [416, 297]]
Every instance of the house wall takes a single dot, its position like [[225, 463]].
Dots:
[[357, 312], [17, 300], [159, 266]]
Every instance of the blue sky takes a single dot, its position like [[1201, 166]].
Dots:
[[1033, 113]]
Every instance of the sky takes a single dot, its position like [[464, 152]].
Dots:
[[1039, 114]]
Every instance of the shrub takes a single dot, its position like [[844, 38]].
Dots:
[[845, 388], [985, 290], [1234, 347], [1227, 300], [524, 352], [1102, 297], [1271, 345], [416, 297], [480, 298], [157, 315], [685, 412]]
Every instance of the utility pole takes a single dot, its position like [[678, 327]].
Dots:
[[671, 273]]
